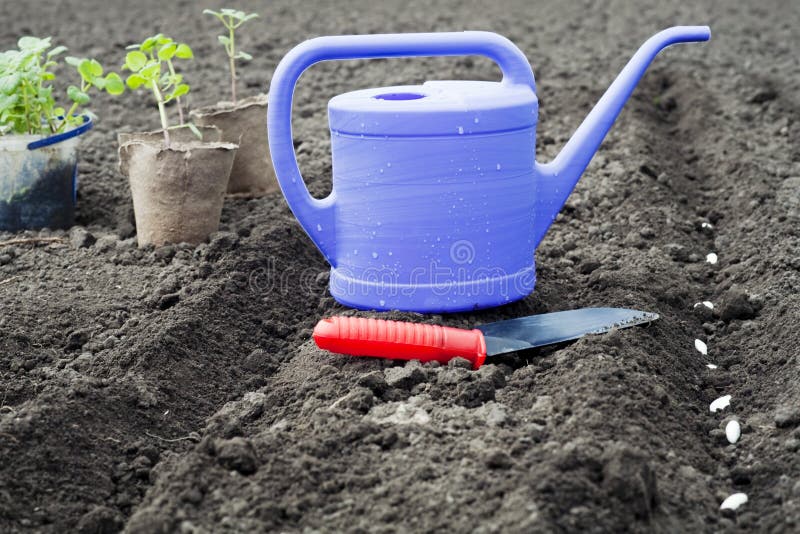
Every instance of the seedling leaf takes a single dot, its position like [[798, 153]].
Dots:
[[148, 44], [180, 90], [151, 70], [134, 81], [33, 44], [135, 60], [8, 101], [167, 52], [9, 82], [232, 13], [77, 96], [56, 51], [114, 85], [184, 52], [90, 69]]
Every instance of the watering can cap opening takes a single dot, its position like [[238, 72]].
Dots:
[[456, 107]]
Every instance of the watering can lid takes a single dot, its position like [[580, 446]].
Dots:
[[434, 108]]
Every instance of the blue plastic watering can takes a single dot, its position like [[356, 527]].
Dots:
[[438, 203]]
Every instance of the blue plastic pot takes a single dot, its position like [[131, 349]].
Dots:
[[38, 180], [438, 203]]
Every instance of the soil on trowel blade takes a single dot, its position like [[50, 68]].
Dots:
[[177, 389]]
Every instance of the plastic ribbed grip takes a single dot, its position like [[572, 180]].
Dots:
[[396, 340]]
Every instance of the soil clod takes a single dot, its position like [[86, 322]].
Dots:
[[787, 417], [236, 454]]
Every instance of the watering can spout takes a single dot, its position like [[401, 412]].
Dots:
[[558, 178]]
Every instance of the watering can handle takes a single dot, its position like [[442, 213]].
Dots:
[[317, 215]]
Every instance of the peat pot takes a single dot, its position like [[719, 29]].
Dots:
[[178, 135], [242, 123], [177, 191], [38, 180]]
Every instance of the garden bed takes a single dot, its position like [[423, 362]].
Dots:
[[171, 388]]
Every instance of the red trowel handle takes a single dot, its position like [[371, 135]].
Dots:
[[399, 341]]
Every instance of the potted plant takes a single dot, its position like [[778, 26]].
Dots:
[[241, 121], [178, 181], [39, 138]]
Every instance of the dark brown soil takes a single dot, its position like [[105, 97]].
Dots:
[[177, 389]]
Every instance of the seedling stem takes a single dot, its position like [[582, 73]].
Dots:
[[232, 62], [162, 112]]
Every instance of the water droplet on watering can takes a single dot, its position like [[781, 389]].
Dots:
[[460, 130], [382, 302], [374, 255], [355, 252], [476, 120], [388, 163], [319, 228]]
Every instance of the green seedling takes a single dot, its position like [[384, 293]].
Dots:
[[91, 77], [232, 19], [152, 69], [27, 104]]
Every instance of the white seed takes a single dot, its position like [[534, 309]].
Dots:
[[711, 366], [706, 303], [711, 258], [733, 501], [720, 404], [701, 347], [733, 431], [707, 225]]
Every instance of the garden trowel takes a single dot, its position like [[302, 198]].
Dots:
[[397, 340]]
